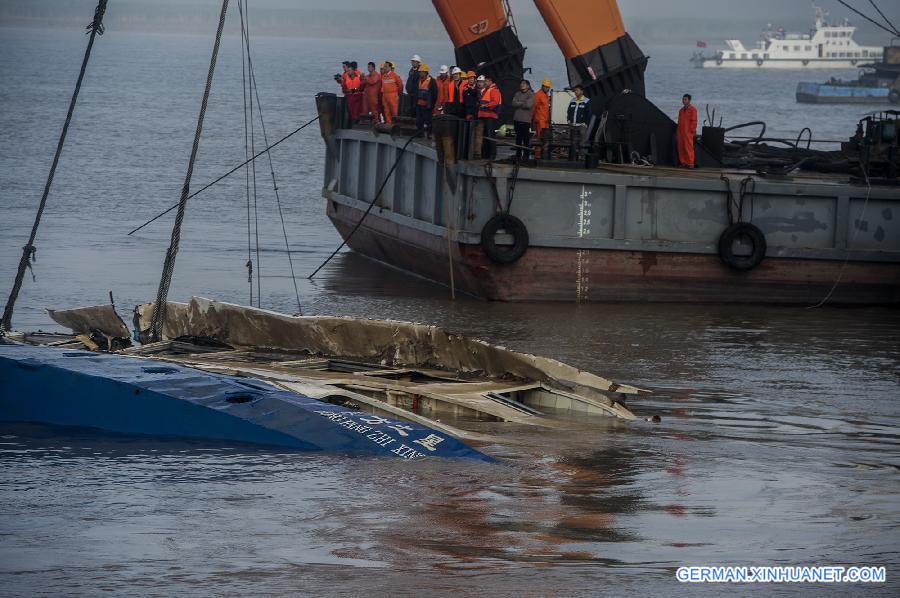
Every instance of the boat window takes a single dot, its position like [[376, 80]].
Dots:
[[744, 55], [755, 56], [807, 48], [766, 55], [731, 55], [796, 48]]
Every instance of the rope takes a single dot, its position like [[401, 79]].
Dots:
[[159, 307], [29, 251], [249, 264], [371, 204], [227, 174], [870, 19], [886, 20], [255, 90], [862, 215], [253, 168]]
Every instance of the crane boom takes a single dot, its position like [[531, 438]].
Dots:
[[600, 54], [485, 40]]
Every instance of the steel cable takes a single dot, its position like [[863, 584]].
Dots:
[[29, 251], [371, 204], [159, 307], [227, 174], [254, 89]]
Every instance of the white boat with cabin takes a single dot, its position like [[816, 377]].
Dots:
[[826, 46]]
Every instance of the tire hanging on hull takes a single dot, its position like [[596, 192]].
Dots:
[[502, 254]]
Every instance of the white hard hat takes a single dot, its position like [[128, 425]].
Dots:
[[416, 57], [444, 69], [480, 78], [456, 71]]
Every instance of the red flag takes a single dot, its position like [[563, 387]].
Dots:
[[701, 44]]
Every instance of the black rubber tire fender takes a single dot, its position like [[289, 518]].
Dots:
[[894, 96], [759, 62], [719, 60], [503, 254], [805, 63], [726, 246]]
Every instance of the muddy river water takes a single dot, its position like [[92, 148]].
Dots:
[[778, 442]]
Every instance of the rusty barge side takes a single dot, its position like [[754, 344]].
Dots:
[[613, 233]]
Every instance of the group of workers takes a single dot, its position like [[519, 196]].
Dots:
[[469, 96], [455, 92]]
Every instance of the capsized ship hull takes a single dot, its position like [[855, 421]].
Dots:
[[136, 396], [615, 233]]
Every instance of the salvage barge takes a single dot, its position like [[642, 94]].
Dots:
[[605, 215], [227, 372]]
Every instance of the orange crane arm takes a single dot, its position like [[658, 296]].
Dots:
[[467, 22], [486, 42], [600, 55]]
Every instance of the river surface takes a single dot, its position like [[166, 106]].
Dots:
[[778, 444]]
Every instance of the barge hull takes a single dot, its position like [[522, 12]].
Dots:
[[585, 275]]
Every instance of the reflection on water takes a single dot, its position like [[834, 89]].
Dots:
[[778, 442]]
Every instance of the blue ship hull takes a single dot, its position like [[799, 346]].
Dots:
[[818, 93], [138, 396]]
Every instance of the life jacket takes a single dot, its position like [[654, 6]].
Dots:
[[423, 98], [489, 106], [352, 85], [453, 92]]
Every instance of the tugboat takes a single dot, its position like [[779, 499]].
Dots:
[[826, 46], [878, 83]]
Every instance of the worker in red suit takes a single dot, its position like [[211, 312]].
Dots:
[[687, 130]]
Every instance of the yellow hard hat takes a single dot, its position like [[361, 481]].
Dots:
[[547, 83], [423, 67]]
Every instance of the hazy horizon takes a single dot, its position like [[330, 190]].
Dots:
[[649, 21]]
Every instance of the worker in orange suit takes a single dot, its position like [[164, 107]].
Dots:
[[391, 88], [687, 130], [540, 114], [372, 93]]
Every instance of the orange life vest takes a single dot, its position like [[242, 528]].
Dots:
[[352, 85], [489, 107], [424, 98]]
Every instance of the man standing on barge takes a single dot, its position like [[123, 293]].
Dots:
[[687, 130]]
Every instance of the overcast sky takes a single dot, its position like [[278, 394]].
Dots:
[[763, 10]]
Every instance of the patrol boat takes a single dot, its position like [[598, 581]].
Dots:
[[827, 46], [606, 215]]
